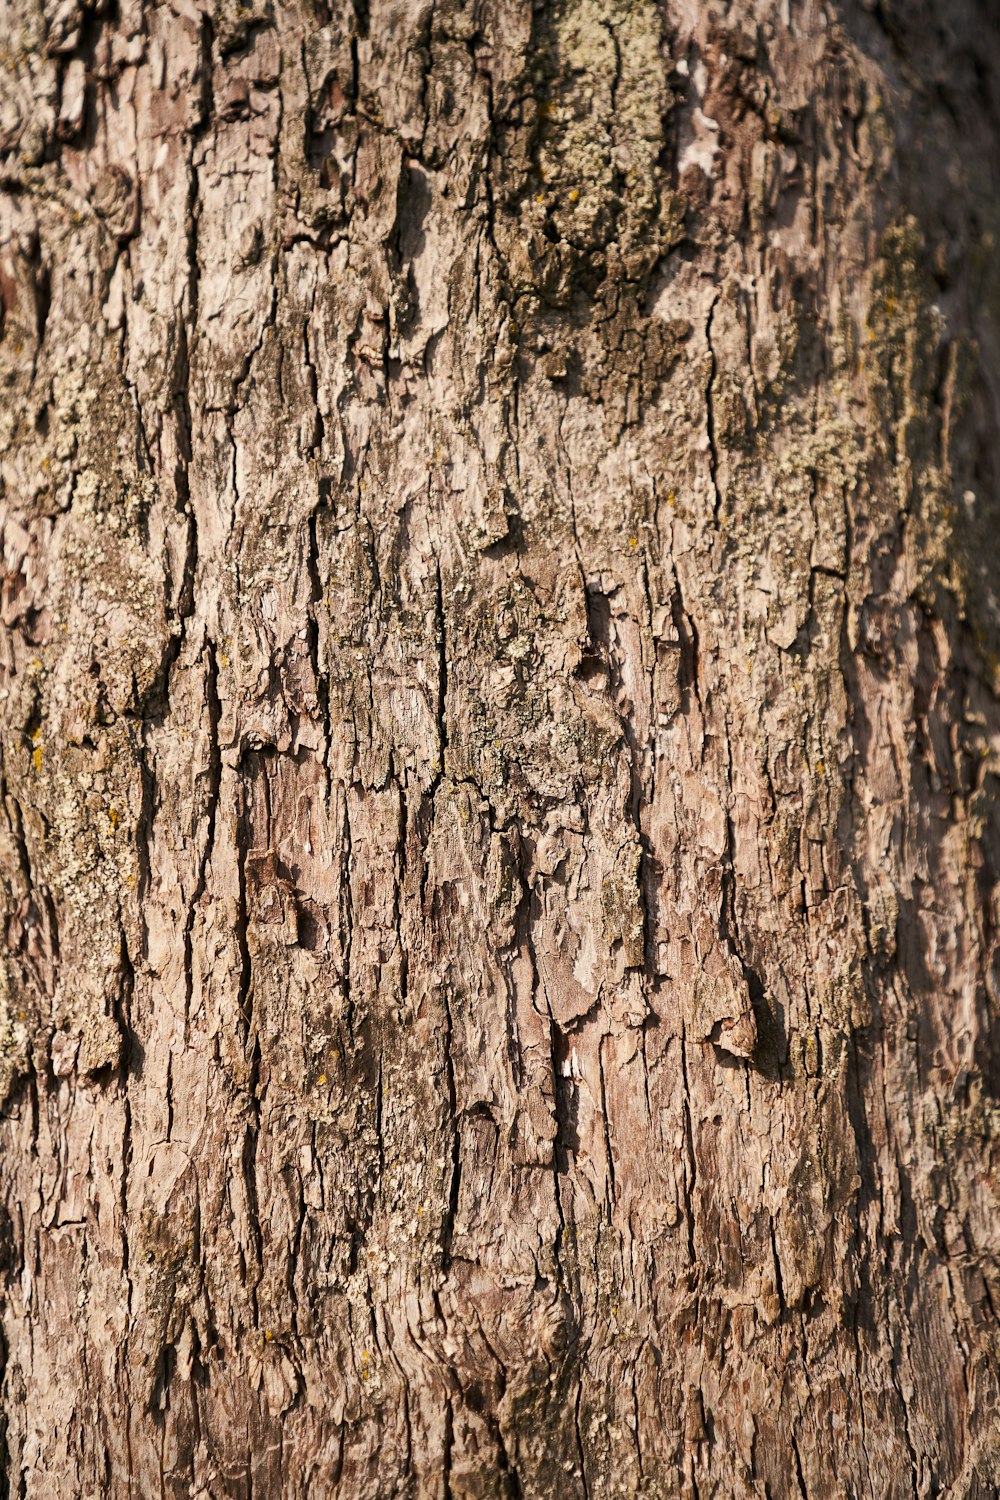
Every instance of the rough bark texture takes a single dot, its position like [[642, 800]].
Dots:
[[499, 839]]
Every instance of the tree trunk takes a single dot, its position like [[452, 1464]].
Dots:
[[500, 676]]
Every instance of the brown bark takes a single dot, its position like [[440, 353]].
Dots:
[[499, 840]]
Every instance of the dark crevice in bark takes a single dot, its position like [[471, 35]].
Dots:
[[687, 633], [637, 1414], [580, 1448], [606, 1122], [185, 323], [347, 908], [320, 676], [126, 1172], [43, 302], [6, 1465], [455, 1181], [144, 459], [251, 1039], [770, 1052], [169, 1096], [214, 708], [441, 707], [616, 80], [690, 1175], [710, 419], [561, 1099], [896, 1335], [447, 1448], [243, 847]]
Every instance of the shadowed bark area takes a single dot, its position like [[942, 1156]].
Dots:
[[500, 687]]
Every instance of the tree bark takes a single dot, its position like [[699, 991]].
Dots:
[[500, 676]]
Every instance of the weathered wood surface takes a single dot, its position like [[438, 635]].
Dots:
[[499, 842]]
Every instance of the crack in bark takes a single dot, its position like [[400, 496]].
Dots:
[[710, 428]]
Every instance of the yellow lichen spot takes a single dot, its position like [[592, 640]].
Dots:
[[321, 1079], [336, 1054], [574, 196], [539, 197], [114, 818], [268, 1335], [672, 498], [36, 754], [890, 306], [820, 768], [633, 541]]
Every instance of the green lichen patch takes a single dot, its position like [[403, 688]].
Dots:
[[588, 209], [919, 383], [602, 97]]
